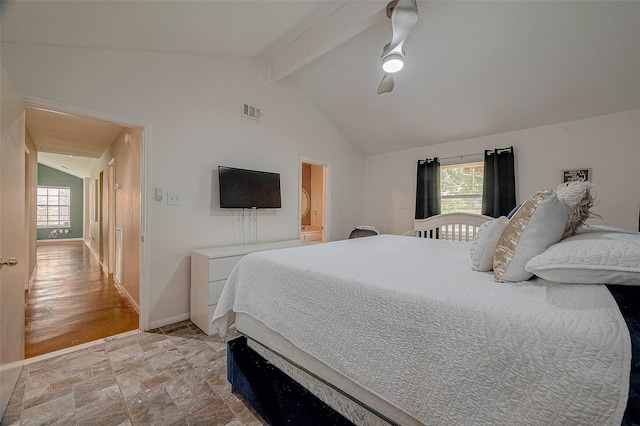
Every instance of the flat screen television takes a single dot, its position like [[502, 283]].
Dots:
[[248, 189]]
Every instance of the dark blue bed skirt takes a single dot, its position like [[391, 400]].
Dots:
[[282, 401], [273, 394], [628, 300]]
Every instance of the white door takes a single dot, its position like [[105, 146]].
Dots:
[[12, 238]]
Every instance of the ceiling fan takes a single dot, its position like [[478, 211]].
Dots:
[[404, 15]]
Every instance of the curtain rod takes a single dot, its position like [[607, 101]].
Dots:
[[461, 156], [472, 155]]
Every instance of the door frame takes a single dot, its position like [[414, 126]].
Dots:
[[101, 207], [28, 217], [145, 171], [111, 219], [326, 221]]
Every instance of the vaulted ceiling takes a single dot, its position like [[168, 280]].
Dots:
[[70, 134], [472, 69], [67, 142]]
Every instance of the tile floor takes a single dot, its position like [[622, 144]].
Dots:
[[174, 375]]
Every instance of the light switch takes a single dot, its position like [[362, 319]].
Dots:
[[158, 194]]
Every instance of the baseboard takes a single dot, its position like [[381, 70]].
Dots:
[[93, 252], [171, 320], [32, 277], [135, 305], [119, 286], [88, 244], [56, 240]]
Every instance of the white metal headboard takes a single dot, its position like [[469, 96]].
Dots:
[[449, 226]]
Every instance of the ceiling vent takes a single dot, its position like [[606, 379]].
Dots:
[[251, 111]]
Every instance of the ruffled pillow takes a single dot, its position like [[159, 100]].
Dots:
[[578, 198], [485, 243]]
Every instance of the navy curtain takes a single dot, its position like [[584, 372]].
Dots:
[[428, 188], [499, 185]]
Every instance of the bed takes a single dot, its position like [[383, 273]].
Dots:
[[397, 330]]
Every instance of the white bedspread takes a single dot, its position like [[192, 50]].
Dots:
[[408, 319]]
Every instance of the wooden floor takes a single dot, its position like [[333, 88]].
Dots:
[[72, 301]]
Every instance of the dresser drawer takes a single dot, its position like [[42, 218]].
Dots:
[[215, 290], [220, 268]]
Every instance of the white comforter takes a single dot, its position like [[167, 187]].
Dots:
[[408, 319]]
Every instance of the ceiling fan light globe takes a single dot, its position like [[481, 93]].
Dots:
[[393, 63]]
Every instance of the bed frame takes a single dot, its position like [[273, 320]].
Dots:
[[282, 392], [449, 226]]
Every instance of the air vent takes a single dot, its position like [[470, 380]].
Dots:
[[251, 111]]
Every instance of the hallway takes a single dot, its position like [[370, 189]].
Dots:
[[72, 301]]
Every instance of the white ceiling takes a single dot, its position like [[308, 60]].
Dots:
[[70, 164], [472, 68], [68, 134], [69, 143]]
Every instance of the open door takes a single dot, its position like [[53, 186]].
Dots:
[[314, 200], [12, 238]]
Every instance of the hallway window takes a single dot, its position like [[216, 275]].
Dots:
[[54, 206]]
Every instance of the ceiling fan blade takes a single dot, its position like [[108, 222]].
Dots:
[[386, 85], [403, 19]]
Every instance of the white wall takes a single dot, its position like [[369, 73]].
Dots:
[[193, 105], [124, 205], [609, 145]]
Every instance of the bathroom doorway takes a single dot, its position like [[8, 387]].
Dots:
[[314, 200]]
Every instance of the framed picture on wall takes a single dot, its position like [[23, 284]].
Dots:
[[576, 174]]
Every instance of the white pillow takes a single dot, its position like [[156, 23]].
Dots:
[[485, 243], [538, 224], [591, 258]]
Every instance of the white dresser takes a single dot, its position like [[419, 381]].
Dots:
[[210, 269]]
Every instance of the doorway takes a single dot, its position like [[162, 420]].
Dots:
[[314, 200], [111, 202]]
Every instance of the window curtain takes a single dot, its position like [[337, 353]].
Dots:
[[499, 184], [428, 188]]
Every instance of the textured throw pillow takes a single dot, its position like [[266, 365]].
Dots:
[[485, 243], [591, 258], [538, 224], [579, 199]]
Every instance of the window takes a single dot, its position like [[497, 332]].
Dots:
[[461, 187], [54, 206]]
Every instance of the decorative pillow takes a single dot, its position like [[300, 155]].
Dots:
[[485, 243], [539, 223], [512, 212], [363, 231], [591, 258], [578, 198]]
